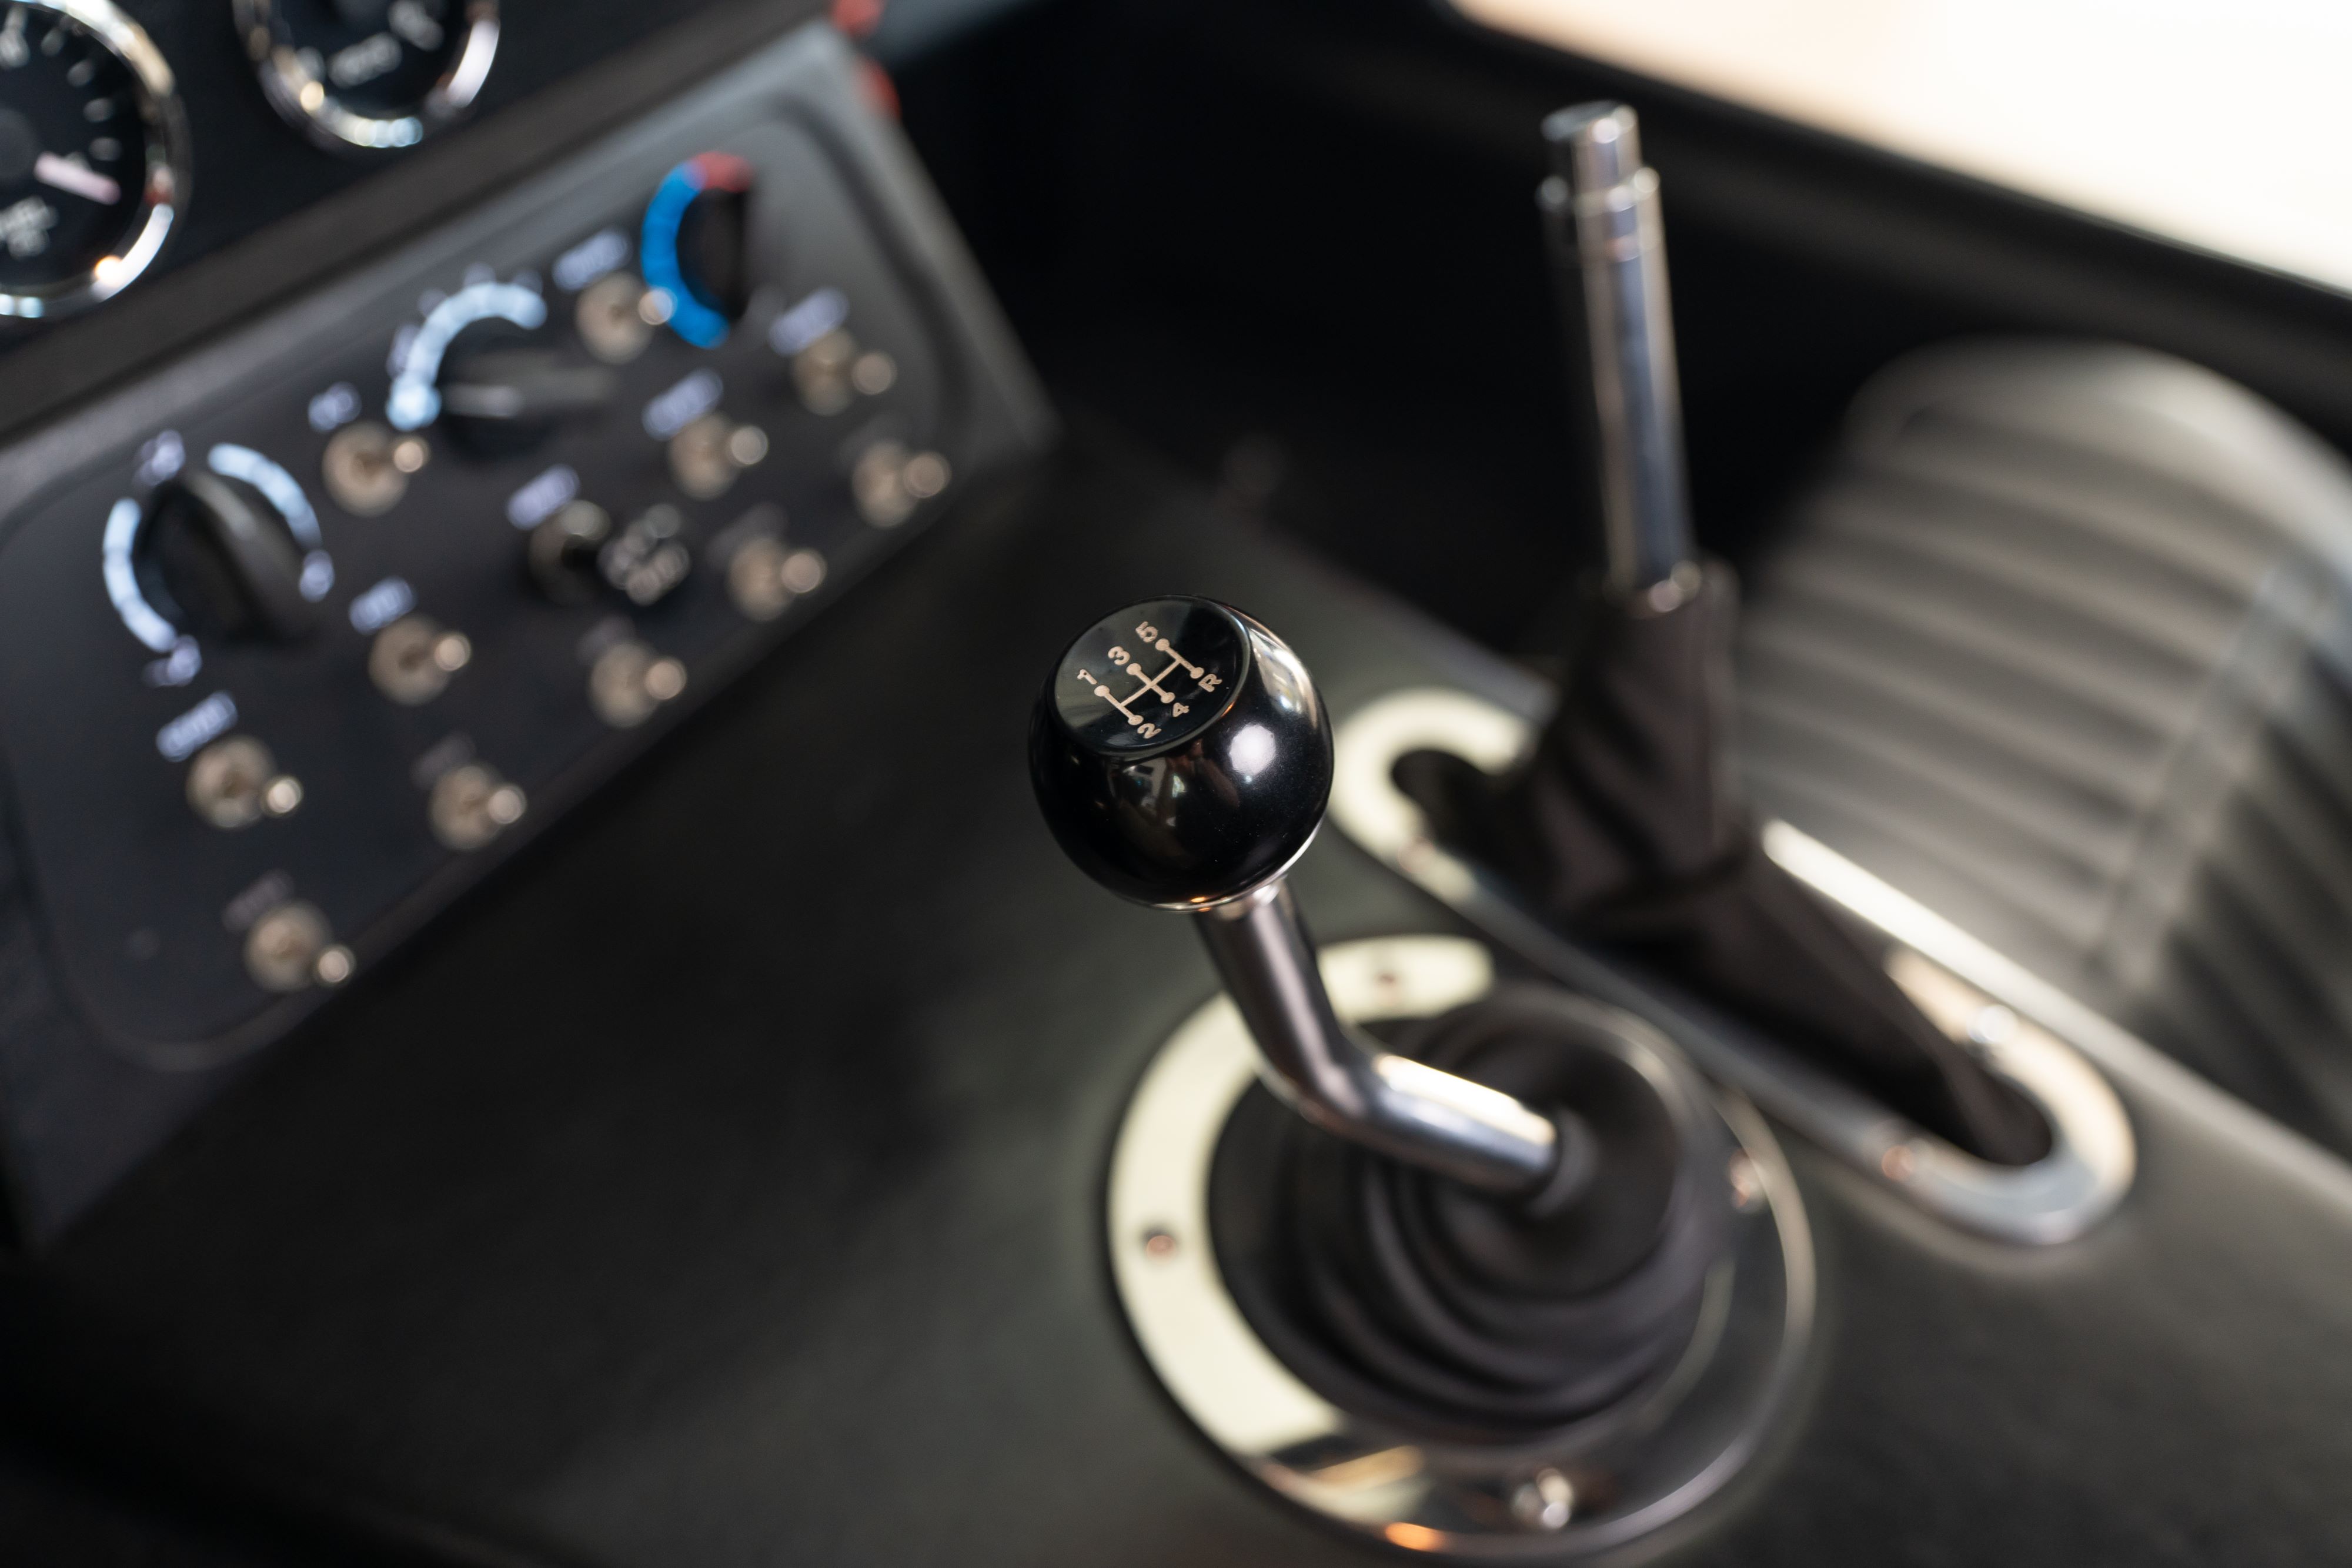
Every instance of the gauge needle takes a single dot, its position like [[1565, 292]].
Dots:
[[65, 175]]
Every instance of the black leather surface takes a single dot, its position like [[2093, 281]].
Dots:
[[722, 1186], [2056, 647], [1627, 824], [51, 1514]]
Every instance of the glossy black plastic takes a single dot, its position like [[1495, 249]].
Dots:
[[1216, 800], [714, 250], [504, 390], [218, 558]]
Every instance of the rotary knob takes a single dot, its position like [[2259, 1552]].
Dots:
[[505, 389], [484, 363], [695, 247], [218, 558]]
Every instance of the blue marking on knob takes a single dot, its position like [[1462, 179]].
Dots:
[[693, 317]]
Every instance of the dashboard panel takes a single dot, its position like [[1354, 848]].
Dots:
[[302, 634], [266, 206]]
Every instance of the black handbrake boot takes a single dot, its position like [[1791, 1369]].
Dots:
[[1627, 826]]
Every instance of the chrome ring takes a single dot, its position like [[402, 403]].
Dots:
[[168, 167], [1618, 1477], [296, 91], [2011, 1029]]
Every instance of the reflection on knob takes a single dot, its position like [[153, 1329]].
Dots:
[[218, 560], [504, 390], [1181, 754]]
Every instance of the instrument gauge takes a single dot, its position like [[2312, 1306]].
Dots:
[[93, 154], [369, 74]]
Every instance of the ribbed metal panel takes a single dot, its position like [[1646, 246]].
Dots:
[[2060, 646]]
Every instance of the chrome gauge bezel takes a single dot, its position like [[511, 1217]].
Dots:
[[168, 181], [309, 105]]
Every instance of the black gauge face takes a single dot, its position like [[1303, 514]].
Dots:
[[1150, 677], [371, 73], [74, 146], [378, 58]]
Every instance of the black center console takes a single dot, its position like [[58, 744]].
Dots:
[[649, 1217], [788, 1155]]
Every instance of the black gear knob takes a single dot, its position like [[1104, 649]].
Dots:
[[1181, 754], [1183, 761]]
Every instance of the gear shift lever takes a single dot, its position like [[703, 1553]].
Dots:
[[1601, 206], [1626, 823], [1182, 759], [1492, 1233]]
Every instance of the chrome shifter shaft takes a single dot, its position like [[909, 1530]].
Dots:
[[1602, 205]]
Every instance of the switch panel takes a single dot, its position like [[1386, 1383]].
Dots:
[[296, 638]]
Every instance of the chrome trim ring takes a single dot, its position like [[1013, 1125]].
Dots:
[[1618, 1477], [168, 177], [2011, 1028], [294, 89]]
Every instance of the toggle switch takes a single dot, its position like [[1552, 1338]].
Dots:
[[471, 805], [562, 549], [613, 321], [411, 660], [291, 948], [629, 682], [764, 576], [235, 783], [367, 467], [648, 558], [890, 480], [707, 456]]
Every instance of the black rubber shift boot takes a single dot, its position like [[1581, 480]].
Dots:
[[1459, 1315], [1627, 826]]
